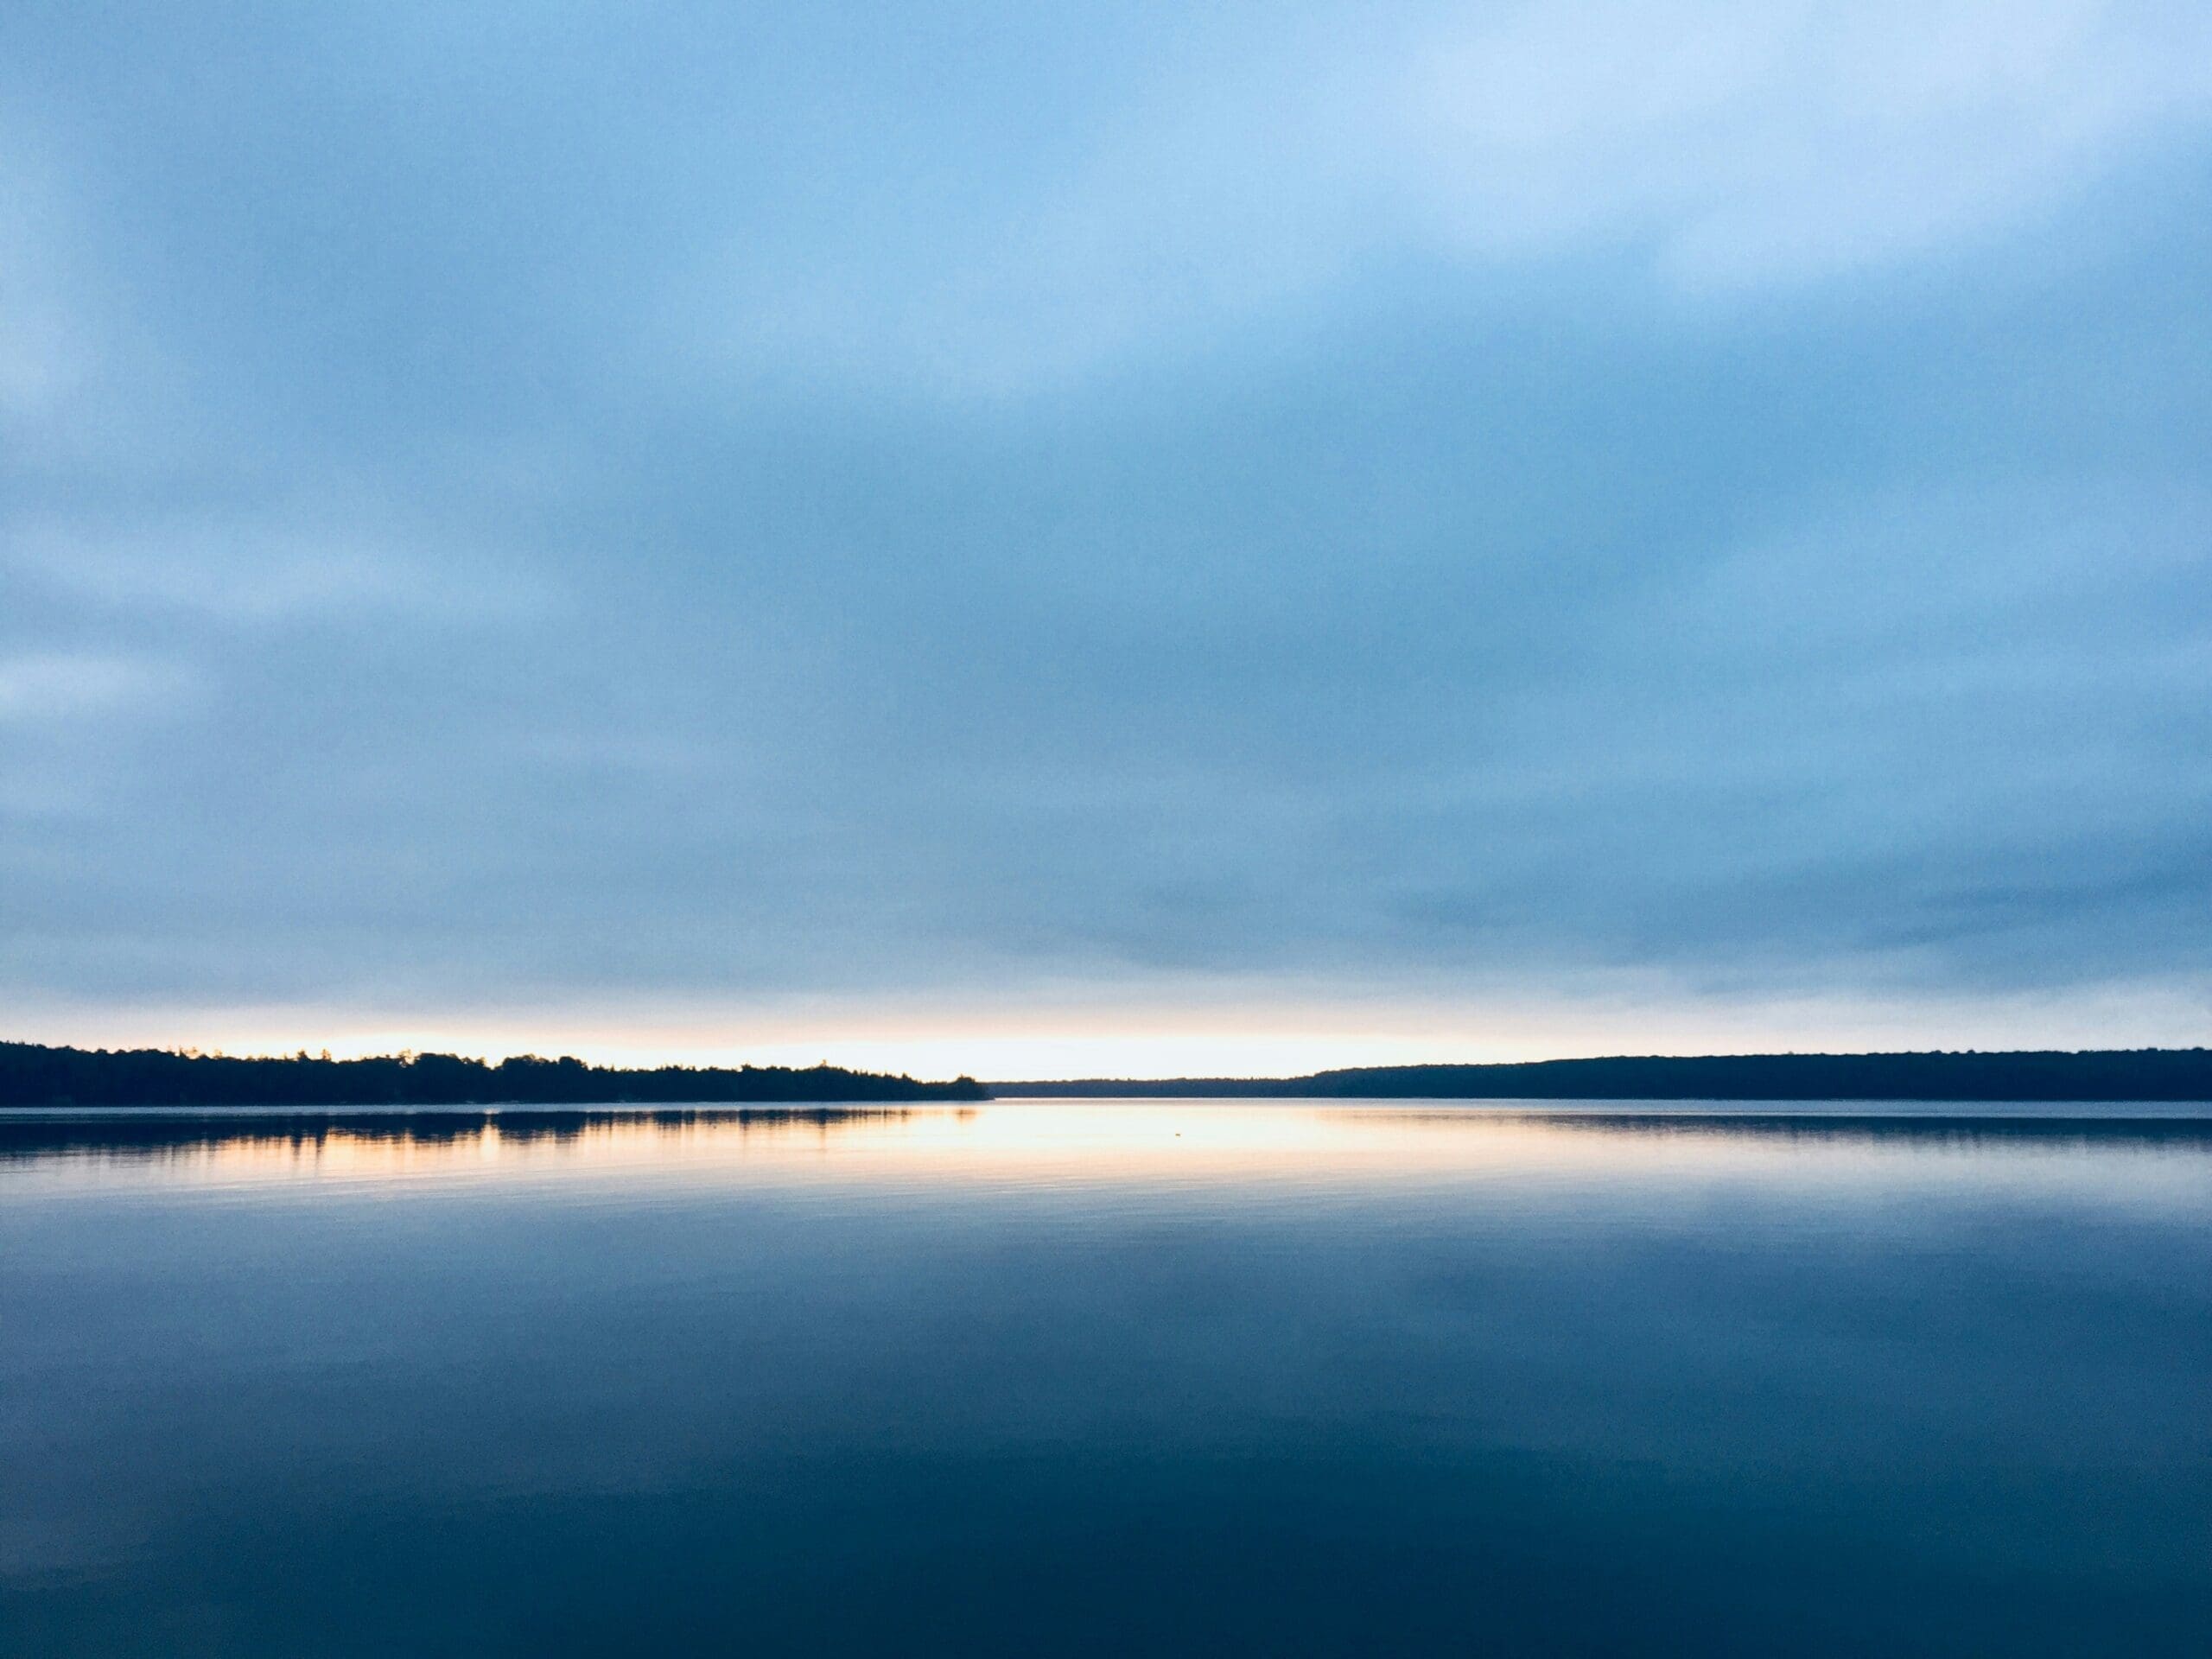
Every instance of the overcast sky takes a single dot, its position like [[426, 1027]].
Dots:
[[1041, 539]]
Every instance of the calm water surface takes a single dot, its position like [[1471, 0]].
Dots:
[[1151, 1377]]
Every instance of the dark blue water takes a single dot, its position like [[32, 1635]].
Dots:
[[1159, 1378]]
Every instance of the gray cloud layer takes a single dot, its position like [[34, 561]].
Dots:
[[503, 504]]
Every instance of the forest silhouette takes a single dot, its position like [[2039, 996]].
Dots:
[[37, 1075], [33, 1074], [2146, 1074]]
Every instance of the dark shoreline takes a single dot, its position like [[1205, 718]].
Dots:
[[37, 1075], [2090, 1075]]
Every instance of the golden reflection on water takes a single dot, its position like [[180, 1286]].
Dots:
[[1072, 1145]]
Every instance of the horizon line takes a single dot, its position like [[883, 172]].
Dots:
[[409, 1054]]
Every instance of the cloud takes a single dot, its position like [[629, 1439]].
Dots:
[[52, 686], [1714, 148], [1747, 145], [1395, 505], [42, 349], [262, 568]]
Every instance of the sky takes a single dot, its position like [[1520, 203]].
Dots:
[[1086, 539]]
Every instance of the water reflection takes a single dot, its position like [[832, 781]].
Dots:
[[1979, 1126], [1093, 1152], [29, 1136], [1159, 1377]]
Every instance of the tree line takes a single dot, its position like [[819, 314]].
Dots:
[[33, 1074], [2146, 1074]]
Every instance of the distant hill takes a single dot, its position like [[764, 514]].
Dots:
[[2146, 1074], [31, 1074]]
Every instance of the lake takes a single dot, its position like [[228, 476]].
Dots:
[[1267, 1377]]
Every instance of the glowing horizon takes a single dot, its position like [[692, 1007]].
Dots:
[[1047, 1040]]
